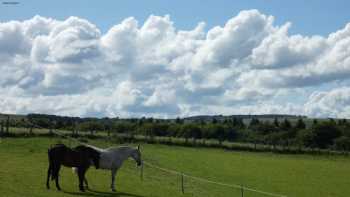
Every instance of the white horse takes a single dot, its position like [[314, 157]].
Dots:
[[112, 159]]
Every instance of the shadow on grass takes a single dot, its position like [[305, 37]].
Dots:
[[94, 193]]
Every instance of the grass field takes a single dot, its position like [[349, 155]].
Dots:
[[23, 166]]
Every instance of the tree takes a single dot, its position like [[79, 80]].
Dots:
[[325, 133], [174, 130], [276, 122], [274, 138], [265, 128], [254, 123], [179, 120], [342, 122], [300, 124], [191, 131], [219, 132], [286, 125], [160, 129], [306, 138], [91, 126], [147, 129], [231, 133], [208, 131], [237, 123]]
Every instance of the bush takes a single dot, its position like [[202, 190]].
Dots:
[[306, 138], [342, 143]]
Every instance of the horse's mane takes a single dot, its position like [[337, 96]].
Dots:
[[113, 148], [120, 148], [94, 147]]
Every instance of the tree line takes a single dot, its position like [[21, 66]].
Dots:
[[276, 132]]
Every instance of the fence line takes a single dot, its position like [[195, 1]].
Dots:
[[236, 186], [213, 182]]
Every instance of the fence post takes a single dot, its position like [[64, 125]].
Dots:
[[50, 130], [182, 184], [141, 174], [75, 131], [31, 130], [242, 191]]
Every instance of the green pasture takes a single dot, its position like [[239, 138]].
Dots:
[[23, 168]]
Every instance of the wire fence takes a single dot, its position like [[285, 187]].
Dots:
[[176, 181]]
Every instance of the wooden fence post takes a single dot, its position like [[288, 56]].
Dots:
[[255, 145], [31, 130], [242, 191], [141, 174], [50, 130], [182, 184], [74, 130]]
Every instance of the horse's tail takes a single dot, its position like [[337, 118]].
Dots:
[[53, 168]]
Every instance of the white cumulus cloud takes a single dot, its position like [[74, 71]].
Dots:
[[248, 65]]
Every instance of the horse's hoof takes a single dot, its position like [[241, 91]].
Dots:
[[113, 190]]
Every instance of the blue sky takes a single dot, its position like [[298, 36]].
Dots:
[[308, 17], [157, 58]]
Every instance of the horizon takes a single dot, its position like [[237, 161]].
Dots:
[[173, 118], [175, 59]]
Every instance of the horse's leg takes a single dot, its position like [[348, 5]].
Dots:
[[81, 174], [49, 172], [114, 173], [86, 183], [56, 172]]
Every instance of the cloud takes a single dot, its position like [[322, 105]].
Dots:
[[279, 50], [248, 65], [334, 103], [234, 41]]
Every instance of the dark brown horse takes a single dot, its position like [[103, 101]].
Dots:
[[80, 157]]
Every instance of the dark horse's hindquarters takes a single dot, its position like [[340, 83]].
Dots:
[[79, 157]]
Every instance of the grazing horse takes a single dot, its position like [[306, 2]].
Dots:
[[80, 157], [112, 158]]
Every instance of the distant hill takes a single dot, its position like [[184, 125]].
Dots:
[[222, 118], [205, 118]]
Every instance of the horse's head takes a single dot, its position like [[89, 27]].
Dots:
[[95, 156], [136, 155]]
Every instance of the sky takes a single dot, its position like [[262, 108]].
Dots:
[[175, 58]]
